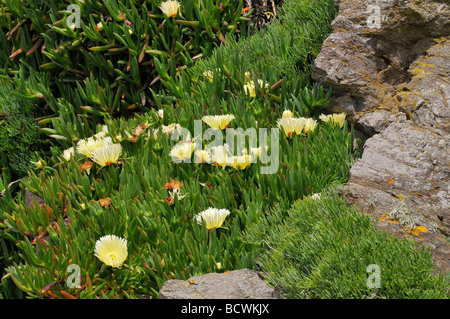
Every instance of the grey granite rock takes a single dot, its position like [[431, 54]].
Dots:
[[237, 284]]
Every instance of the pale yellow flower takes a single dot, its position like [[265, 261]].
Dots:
[[242, 161], [287, 113], [218, 121], [40, 164], [167, 129], [203, 156], [102, 134], [107, 154], [310, 125], [182, 151], [111, 250], [177, 192], [247, 76], [213, 217], [68, 153], [316, 196], [250, 89], [257, 151], [170, 8], [220, 155], [209, 75], [87, 146], [99, 26], [333, 119], [291, 125]]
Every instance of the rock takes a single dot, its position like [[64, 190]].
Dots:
[[426, 96], [30, 198], [408, 166], [237, 284], [388, 66], [366, 64]]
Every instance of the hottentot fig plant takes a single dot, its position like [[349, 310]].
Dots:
[[101, 58]]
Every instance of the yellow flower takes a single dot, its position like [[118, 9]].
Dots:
[[209, 75], [218, 121], [257, 151], [287, 113], [310, 125], [99, 26], [111, 250], [102, 133], [240, 161], [107, 154], [68, 153], [247, 76], [182, 151], [169, 129], [220, 155], [40, 164], [291, 125], [203, 156], [170, 8], [333, 119], [166, 129], [213, 217], [299, 125], [250, 89], [316, 196], [87, 146]]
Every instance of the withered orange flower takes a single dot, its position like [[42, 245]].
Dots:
[[390, 181], [86, 166], [173, 184], [170, 200], [105, 201], [138, 131]]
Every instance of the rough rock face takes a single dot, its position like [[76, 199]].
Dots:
[[368, 58], [406, 167], [388, 65], [237, 284]]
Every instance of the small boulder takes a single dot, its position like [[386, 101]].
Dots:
[[236, 284]]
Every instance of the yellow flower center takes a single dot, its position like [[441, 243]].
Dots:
[[112, 256]]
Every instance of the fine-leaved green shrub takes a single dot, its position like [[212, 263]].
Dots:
[[323, 248], [19, 133]]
